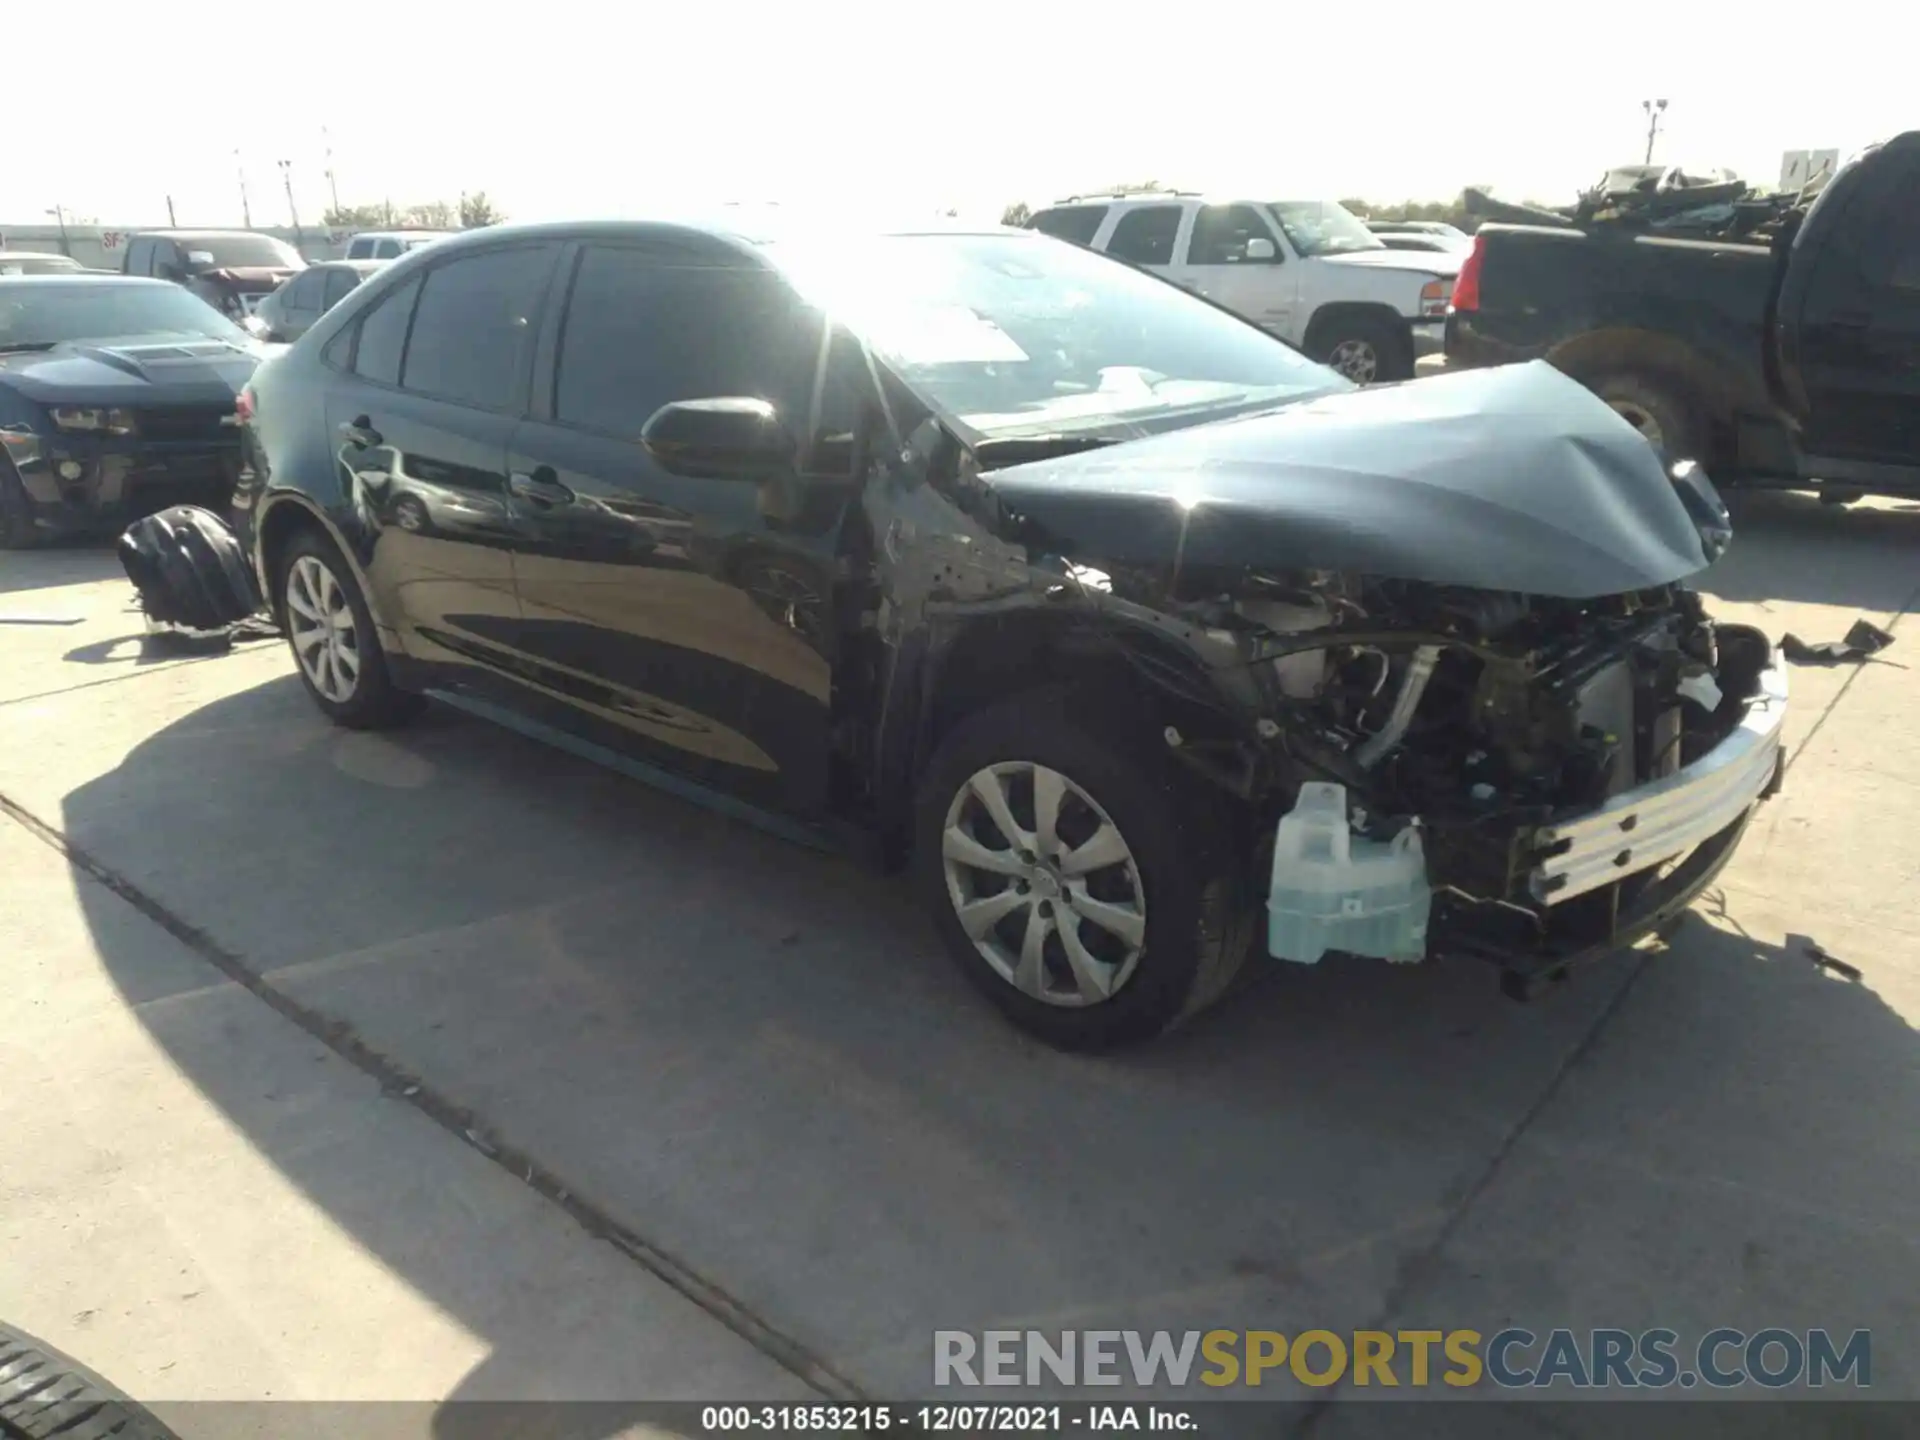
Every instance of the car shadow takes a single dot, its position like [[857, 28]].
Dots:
[[1787, 546], [753, 1056]]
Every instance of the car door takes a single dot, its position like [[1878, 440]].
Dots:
[[438, 381], [1859, 340], [684, 621], [1145, 236], [1222, 260]]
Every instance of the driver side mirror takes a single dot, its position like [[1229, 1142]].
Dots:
[[198, 260], [727, 438], [1261, 248]]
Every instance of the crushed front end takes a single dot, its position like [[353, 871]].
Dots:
[[1556, 778]]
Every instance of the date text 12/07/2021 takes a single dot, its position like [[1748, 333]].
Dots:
[[946, 1418]]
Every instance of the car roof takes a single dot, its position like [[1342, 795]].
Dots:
[[397, 234], [87, 278], [198, 234], [744, 227]]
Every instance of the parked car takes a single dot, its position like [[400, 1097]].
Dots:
[[116, 396], [1427, 235], [36, 262], [232, 270], [1791, 363], [1308, 270], [391, 244], [1112, 614], [289, 312]]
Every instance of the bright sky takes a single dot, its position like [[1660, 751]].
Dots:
[[566, 108]]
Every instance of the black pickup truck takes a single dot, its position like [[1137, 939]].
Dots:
[[1791, 363]]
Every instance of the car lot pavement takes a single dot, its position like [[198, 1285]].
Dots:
[[748, 1063]]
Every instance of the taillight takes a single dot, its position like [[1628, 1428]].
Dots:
[[243, 404], [1466, 288]]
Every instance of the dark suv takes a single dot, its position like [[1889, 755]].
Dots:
[[232, 270], [1112, 612]]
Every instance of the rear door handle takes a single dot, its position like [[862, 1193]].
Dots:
[[359, 431], [541, 486]]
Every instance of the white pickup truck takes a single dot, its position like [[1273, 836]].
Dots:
[[1308, 270]]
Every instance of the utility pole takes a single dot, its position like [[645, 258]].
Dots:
[[1655, 109], [171, 222], [246, 210], [59, 213], [286, 174], [333, 189]]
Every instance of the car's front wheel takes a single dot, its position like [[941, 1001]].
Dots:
[[1073, 879], [335, 646]]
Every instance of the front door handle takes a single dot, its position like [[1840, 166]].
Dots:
[[541, 486], [359, 431]]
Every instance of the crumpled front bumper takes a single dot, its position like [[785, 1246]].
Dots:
[[1653, 823]]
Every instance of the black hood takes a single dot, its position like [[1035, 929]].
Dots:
[[131, 372], [1515, 478]]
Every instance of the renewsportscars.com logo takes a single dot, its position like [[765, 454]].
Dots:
[[1511, 1359]]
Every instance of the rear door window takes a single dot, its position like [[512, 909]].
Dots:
[[1078, 223], [386, 250], [340, 284], [473, 325], [360, 250], [1145, 236]]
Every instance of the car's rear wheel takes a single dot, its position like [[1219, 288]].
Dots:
[[1656, 408], [1365, 350], [335, 645], [1072, 879]]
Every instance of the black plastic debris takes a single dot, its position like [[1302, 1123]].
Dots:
[[1863, 640]]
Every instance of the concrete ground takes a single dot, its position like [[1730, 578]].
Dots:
[[317, 1079]]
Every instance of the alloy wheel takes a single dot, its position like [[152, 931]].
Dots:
[[1358, 360], [1044, 884], [320, 622]]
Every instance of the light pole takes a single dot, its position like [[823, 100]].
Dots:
[[246, 210], [333, 189], [286, 174], [1655, 109], [59, 213]]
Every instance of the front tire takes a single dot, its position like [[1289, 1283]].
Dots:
[[1073, 879], [335, 646], [17, 530]]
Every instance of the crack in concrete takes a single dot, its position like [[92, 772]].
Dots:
[[464, 1125]]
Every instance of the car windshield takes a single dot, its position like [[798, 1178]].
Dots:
[[1321, 227], [37, 265], [1012, 334], [243, 252], [36, 316]]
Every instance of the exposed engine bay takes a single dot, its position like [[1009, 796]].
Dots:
[[1477, 718]]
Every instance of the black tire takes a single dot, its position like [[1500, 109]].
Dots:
[[189, 568], [374, 702], [1196, 935], [1388, 345], [1657, 408], [17, 530], [44, 1394]]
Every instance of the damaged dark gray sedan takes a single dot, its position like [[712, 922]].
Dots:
[[1131, 630]]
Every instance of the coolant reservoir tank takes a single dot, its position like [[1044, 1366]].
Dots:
[[1332, 890], [1301, 675]]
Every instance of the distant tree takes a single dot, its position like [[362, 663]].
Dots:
[[1016, 214], [1362, 208], [433, 215], [476, 211], [356, 217]]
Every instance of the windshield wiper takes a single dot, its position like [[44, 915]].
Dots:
[[21, 347], [998, 454]]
